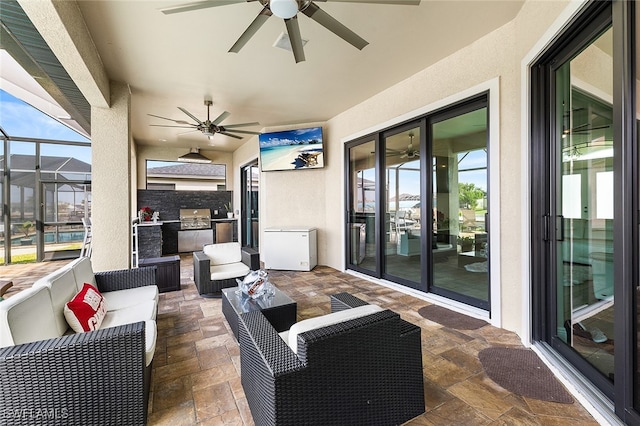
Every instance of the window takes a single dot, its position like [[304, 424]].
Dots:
[[179, 176]]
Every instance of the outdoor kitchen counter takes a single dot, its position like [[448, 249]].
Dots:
[[161, 238], [149, 236]]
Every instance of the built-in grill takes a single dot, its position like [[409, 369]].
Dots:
[[195, 219]]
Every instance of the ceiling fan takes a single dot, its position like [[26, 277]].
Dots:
[[288, 10], [209, 128], [410, 152]]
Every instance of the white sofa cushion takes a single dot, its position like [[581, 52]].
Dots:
[[120, 299], [62, 288], [229, 270], [142, 311], [83, 272], [150, 336], [291, 336], [26, 317], [223, 253]]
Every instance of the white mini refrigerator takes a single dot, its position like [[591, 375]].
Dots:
[[292, 249]]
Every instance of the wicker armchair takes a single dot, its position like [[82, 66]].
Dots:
[[205, 276], [97, 377], [365, 371]]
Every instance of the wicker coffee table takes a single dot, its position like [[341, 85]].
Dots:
[[279, 309]]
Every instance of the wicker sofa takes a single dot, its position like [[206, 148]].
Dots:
[[218, 265], [366, 370], [51, 375]]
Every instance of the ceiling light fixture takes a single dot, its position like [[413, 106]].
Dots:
[[284, 9], [194, 156]]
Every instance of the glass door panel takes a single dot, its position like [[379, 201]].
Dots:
[[250, 213], [403, 249], [65, 204], [460, 252], [584, 205], [23, 202], [362, 207]]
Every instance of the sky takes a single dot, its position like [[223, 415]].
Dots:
[[19, 119], [410, 180], [290, 136]]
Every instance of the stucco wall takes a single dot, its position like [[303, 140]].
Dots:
[[111, 177], [292, 197]]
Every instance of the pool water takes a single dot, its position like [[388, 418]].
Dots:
[[50, 237]]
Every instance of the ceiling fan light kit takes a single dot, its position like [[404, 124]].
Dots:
[[288, 10], [194, 156], [284, 9]]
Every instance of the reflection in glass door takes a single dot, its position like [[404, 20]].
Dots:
[[361, 235], [459, 161], [250, 223], [403, 208], [584, 212]]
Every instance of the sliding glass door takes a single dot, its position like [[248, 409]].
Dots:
[[418, 198], [576, 182], [585, 205], [459, 162], [362, 201], [403, 206]]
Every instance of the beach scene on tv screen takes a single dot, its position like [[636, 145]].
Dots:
[[292, 149]]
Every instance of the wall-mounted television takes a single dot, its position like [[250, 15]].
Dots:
[[292, 150]]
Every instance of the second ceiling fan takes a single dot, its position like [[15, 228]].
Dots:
[[208, 127], [288, 10]]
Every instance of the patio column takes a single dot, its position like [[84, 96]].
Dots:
[[111, 181]]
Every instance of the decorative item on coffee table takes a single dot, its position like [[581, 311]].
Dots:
[[256, 284]]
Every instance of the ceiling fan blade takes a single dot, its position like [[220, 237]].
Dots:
[[398, 2], [170, 119], [333, 25], [221, 118], [230, 126], [198, 5], [293, 29], [229, 134], [189, 126], [242, 131], [251, 30], [193, 117]]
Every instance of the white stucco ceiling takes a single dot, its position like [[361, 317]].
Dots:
[[178, 60]]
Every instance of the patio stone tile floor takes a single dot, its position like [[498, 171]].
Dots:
[[196, 372]]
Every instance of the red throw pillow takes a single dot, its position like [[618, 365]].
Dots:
[[86, 310]]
